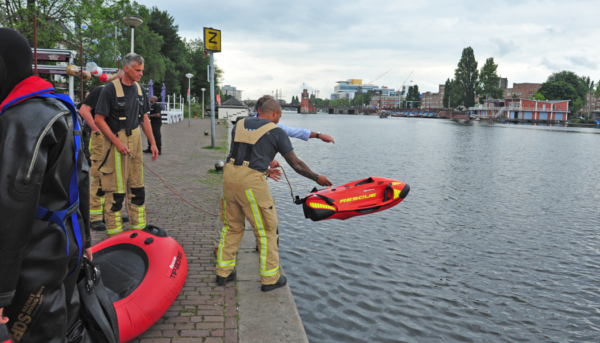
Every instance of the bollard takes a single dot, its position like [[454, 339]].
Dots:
[[219, 165]]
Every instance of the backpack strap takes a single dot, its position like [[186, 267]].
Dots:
[[245, 140], [140, 100], [121, 103], [59, 217]]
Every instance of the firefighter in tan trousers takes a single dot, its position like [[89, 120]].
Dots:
[[255, 143], [122, 107], [96, 142]]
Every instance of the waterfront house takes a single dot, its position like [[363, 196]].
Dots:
[[524, 109]]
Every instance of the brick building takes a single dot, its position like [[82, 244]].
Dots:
[[433, 100], [378, 100], [522, 90], [592, 107]]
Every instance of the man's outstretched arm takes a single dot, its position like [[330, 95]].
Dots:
[[304, 134], [302, 169]]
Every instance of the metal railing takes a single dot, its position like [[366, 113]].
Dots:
[[173, 111]]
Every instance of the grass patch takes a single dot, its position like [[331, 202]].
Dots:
[[188, 310], [214, 171], [217, 147]]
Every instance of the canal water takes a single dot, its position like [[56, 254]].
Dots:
[[498, 240]]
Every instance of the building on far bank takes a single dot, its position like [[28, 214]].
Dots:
[[524, 109], [522, 90], [230, 90], [381, 100], [592, 107], [349, 88], [433, 100]]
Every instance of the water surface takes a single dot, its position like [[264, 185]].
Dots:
[[496, 242]]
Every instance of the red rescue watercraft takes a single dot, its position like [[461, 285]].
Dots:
[[353, 199], [143, 272]]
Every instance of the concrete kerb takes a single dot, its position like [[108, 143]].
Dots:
[[270, 317]]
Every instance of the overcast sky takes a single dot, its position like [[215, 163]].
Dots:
[[270, 45]]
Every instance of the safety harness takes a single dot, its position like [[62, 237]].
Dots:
[[244, 141], [32, 87], [121, 103]]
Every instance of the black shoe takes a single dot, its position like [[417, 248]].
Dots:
[[98, 226], [125, 218], [280, 283], [221, 280], [147, 151]]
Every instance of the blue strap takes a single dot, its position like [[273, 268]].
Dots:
[[58, 217]]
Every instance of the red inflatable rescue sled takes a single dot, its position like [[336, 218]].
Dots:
[[143, 272], [353, 199]]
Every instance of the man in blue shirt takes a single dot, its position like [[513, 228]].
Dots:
[[293, 132]]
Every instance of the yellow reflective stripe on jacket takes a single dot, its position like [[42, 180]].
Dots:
[[261, 230], [120, 188]]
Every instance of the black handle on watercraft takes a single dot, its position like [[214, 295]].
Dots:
[[4, 336], [155, 230], [326, 199], [385, 193]]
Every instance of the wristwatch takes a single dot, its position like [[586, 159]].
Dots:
[[318, 134]]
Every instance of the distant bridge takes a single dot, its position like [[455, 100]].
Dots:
[[425, 112]]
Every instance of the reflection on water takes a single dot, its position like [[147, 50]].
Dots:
[[496, 242]]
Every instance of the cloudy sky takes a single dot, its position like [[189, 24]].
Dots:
[[270, 45]]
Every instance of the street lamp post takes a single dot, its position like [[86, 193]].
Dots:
[[189, 76], [133, 22], [203, 89]]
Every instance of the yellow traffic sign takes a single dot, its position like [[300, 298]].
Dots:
[[212, 39]]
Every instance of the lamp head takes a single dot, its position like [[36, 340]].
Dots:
[[133, 21], [203, 89], [189, 76]]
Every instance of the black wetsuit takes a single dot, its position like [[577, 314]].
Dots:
[[36, 164]]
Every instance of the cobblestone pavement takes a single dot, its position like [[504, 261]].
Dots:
[[203, 312]]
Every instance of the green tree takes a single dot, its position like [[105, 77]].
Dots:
[[538, 96], [199, 66], [413, 97], [447, 93], [466, 77], [562, 90], [173, 49], [489, 82], [580, 84], [55, 18]]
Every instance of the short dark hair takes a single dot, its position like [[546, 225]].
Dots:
[[270, 106], [261, 101]]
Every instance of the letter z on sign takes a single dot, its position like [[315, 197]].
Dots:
[[212, 39]]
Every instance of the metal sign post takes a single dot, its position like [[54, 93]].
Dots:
[[212, 43], [212, 100]]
